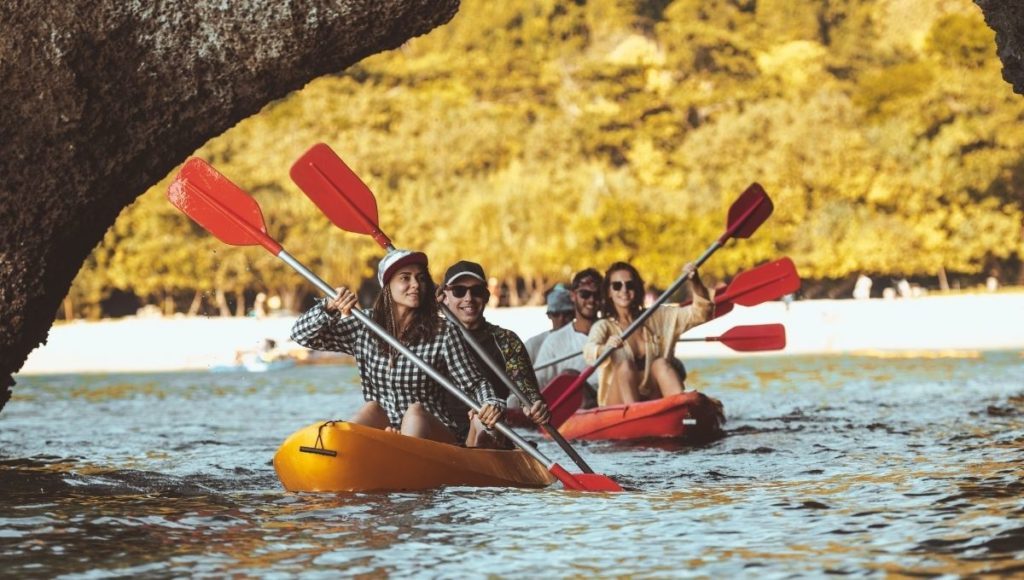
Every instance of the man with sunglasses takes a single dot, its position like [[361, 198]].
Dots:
[[559, 311], [570, 339], [465, 294]]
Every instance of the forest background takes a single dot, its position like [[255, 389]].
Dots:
[[540, 137]]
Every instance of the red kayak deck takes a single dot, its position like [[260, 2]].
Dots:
[[690, 415]]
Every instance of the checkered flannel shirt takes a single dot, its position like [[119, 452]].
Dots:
[[399, 383]]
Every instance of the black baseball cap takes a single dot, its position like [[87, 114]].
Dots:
[[464, 268]]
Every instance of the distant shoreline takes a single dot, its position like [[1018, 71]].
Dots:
[[952, 325]]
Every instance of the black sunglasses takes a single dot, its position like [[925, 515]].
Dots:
[[629, 284], [474, 291], [586, 294]]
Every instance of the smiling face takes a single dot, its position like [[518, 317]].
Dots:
[[407, 286], [467, 297], [585, 299], [623, 289]]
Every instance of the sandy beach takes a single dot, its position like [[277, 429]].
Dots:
[[954, 325]]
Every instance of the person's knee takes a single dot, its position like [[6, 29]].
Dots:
[[372, 407]]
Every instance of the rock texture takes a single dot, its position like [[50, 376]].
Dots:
[[102, 99], [1006, 17]]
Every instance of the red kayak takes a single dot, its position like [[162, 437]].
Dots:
[[691, 415]]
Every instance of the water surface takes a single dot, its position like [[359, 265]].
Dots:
[[840, 465]]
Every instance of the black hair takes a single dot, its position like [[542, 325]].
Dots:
[[588, 274]]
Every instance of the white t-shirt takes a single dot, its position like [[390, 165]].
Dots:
[[559, 343], [533, 346]]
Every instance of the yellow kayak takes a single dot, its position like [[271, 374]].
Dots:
[[341, 456]]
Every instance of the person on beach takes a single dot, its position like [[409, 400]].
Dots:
[[400, 397], [571, 338], [559, 311], [640, 368], [465, 293]]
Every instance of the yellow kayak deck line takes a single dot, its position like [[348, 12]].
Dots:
[[368, 459]]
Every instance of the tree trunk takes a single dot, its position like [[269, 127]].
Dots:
[[222, 303], [289, 299], [240, 305], [168, 304], [943, 282], [537, 291], [197, 303], [69, 309], [513, 292]]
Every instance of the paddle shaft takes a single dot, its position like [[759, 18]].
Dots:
[[496, 369], [553, 362], [503, 376], [723, 339], [438, 377], [640, 320]]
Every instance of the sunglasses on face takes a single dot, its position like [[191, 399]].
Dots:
[[474, 291], [586, 294], [629, 285]]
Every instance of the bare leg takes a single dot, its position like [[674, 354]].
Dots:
[[372, 414], [666, 377], [479, 437], [625, 382], [419, 422]]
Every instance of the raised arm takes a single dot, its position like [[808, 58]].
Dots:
[[319, 329], [700, 311]]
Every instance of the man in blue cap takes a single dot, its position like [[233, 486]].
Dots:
[[560, 312]]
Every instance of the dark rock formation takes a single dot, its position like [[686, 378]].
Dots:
[[1006, 17], [102, 99]]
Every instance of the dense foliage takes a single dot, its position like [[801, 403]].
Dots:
[[542, 136]]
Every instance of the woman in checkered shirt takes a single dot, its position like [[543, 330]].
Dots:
[[399, 396]]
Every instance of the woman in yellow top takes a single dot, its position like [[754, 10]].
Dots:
[[641, 369]]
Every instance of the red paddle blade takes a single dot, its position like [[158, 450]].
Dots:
[[221, 207], [554, 391], [757, 337], [766, 282], [338, 191], [748, 212], [584, 481]]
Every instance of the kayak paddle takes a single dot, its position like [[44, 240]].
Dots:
[[769, 281], [350, 205], [766, 282], [223, 209], [756, 337], [746, 214]]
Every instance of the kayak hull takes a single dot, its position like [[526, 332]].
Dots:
[[690, 415], [368, 459]]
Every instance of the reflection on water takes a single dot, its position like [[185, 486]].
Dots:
[[841, 465]]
